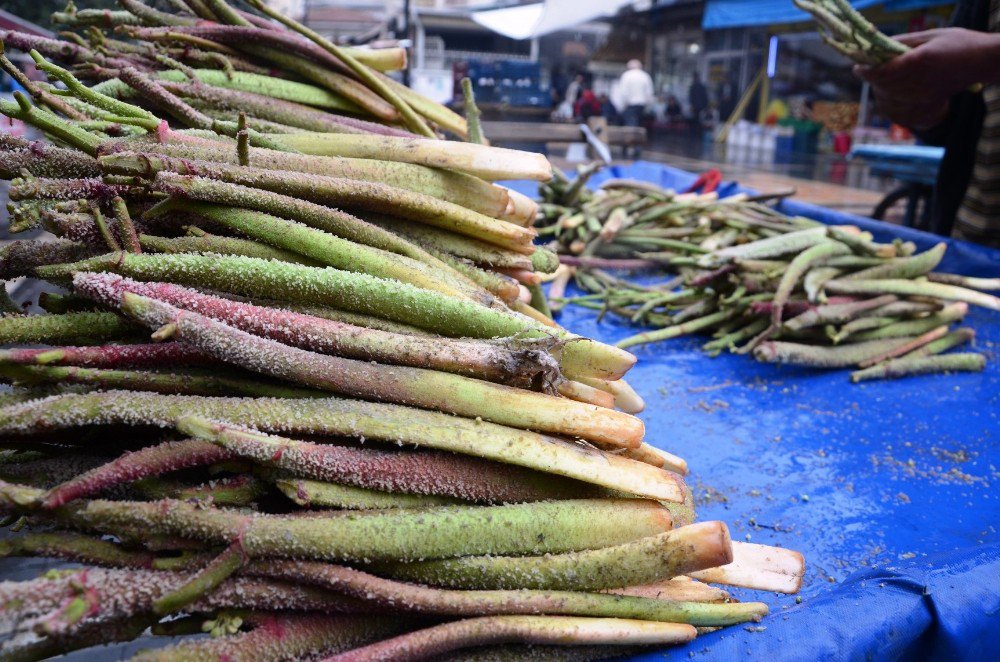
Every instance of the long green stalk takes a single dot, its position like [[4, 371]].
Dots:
[[323, 247], [491, 163], [356, 293], [522, 363], [417, 387], [316, 494], [194, 159], [182, 382], [203, 242], [353, 194], [639, 561], [367, 76], [67, 329], [286, 90], [353, 419], [426, 600], [915, 288], [401, 534], [490, 630]]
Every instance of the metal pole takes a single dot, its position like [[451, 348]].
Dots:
[[407, 30]]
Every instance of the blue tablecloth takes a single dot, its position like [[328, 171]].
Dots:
[[886, 487]]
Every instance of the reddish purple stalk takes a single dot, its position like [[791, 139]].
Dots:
[[501, 362], [411, 472], [154, 355], [152, 461]]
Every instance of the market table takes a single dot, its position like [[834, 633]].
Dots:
[[885, 487]]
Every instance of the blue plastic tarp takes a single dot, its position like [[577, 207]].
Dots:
[[885, 487], [744, 13]]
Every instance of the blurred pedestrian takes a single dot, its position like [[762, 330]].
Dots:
[[573, 90], [587, 105], [697, 100], [674, 112], [636, 90]]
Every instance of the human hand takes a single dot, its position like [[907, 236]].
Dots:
[[914, 88]]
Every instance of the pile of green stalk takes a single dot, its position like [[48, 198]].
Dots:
[[294, 386], [784, 289]]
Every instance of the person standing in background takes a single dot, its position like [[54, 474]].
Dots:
[[573, 90], [636, 90], [698, 100], [933, 89]]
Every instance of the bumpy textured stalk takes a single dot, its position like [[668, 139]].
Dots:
[[804, 261], [922, 365], [316, 494], [421, 472], [472, 114], [642, 561], [152, 461], [49, 123], [792, 242], [840, 356], [367, 196], [43, 159], [157, 355], [350, 418], [947, 315], [441, 115], [78, 328], [525, 364], [461, 189], [490, 163], [345, 86], [911, 346], [91, 95], [286, 173], [75, 547], [385, 535], [282, 637], [240, 80], [418, 387], [676, 330], [370, 78], [445, 602], [314, 215], [65, 189], [203, 242], [837, 313], [190, 382], [271, 109], [397, 302], [216, 572], [915, 288], [325, 248], [21, 256], [463, 246], [954, 339], [903, 268]]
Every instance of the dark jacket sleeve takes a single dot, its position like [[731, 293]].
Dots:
[[958, 133]]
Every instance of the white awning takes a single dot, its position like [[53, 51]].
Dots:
[[535, 20]]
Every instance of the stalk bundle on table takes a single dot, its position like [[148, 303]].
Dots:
[[293, 391], [784, 289]]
